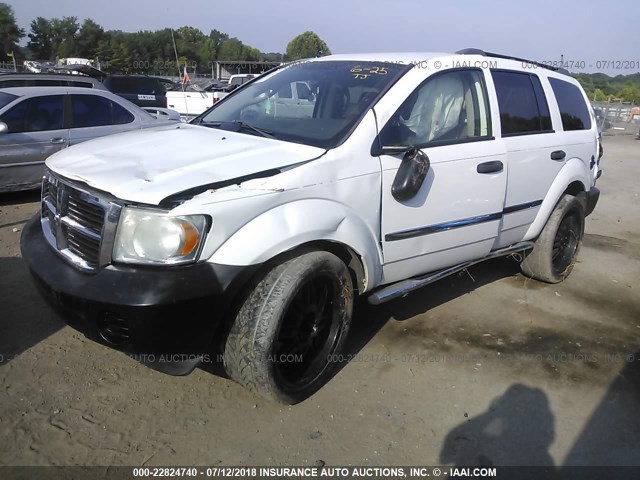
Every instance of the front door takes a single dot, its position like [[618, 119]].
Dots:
[[457, 212]]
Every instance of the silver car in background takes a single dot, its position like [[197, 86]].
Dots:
[[36, 122]]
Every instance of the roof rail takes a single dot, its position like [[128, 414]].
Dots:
[[478, 51]]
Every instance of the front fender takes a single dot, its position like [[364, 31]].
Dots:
[[574, 170], [288, 226]]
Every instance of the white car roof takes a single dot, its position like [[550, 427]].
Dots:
[[393, 57]]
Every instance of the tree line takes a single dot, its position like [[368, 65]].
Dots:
[[140, 52], [600, 87], [153, 51]]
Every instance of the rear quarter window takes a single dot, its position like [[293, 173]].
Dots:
[[573, 109], [136, 85]]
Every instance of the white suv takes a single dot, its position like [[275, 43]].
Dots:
[[251, 230]]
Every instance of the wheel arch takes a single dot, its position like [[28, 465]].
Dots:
[[310, 224], [572, 179]]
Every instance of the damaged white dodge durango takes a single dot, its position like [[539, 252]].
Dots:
[[250, 230]]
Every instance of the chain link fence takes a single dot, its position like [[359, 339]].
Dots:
[[617, 118]]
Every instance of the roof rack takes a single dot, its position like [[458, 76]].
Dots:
[[478, 51]]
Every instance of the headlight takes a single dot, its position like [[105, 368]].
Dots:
[[151, 237]]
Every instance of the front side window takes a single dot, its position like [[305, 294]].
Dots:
[[35, 114], [450, 107], [96, 111], [332, 98], [523, 106], [573, 109]]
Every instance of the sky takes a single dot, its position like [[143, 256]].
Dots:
[[587, 33]]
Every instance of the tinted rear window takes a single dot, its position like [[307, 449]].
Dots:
[[523, 106], [136, 85], [573, 109]]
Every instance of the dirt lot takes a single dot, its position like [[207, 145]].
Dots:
[[486, 367]]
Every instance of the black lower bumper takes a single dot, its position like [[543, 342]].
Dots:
[[592, 199], [166, 317]]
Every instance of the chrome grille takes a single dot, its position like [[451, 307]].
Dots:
[[78, 223]]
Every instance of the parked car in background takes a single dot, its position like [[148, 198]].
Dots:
[[8, 80], [36, 122], [237, 80], [142, 90], [168, 84], [191, 100]]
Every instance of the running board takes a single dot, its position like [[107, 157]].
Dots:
[[404, 287]]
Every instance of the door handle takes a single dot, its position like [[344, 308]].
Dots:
[[490, 167], [558, 155], [57, 140]]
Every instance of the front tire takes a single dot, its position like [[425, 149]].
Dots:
[[290, 328], [555, 251]]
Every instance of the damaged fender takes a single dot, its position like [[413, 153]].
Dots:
[[572, 171], [293, 224]]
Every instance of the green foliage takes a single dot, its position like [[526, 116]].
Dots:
[[306, 45], [54, 38], [603, 87], [10, 34], [152, 52], [89, 37]]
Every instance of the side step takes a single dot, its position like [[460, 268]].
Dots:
[[404, 287]]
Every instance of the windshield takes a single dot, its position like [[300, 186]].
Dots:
[[6, 99], [315, 103]]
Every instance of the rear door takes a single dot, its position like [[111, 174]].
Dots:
[[36, 131], [535, 151], [95, 116], [456, 214]]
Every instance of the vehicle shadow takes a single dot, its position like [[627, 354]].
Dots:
[[369, 319], [17, 198], [26, 320]]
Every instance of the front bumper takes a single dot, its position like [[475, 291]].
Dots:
[[592, 199], [166, 317]]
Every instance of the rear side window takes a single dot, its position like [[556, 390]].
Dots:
[[573, 109], [523, 106], [97, 111], [35, 114], [136, 85]]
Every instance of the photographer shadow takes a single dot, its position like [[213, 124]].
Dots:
[[516, 430]]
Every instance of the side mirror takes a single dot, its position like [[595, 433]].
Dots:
[[411, 174], [4, 128], [395, 149]]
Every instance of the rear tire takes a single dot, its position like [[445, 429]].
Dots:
[[555, 251], [291, 327]]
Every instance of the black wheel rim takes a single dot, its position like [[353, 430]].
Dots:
[[566, 242], [307, 335]]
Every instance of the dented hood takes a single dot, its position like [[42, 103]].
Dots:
[[149, 165]]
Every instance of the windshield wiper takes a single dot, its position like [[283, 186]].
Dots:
[[259, 131], [237, 126]]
